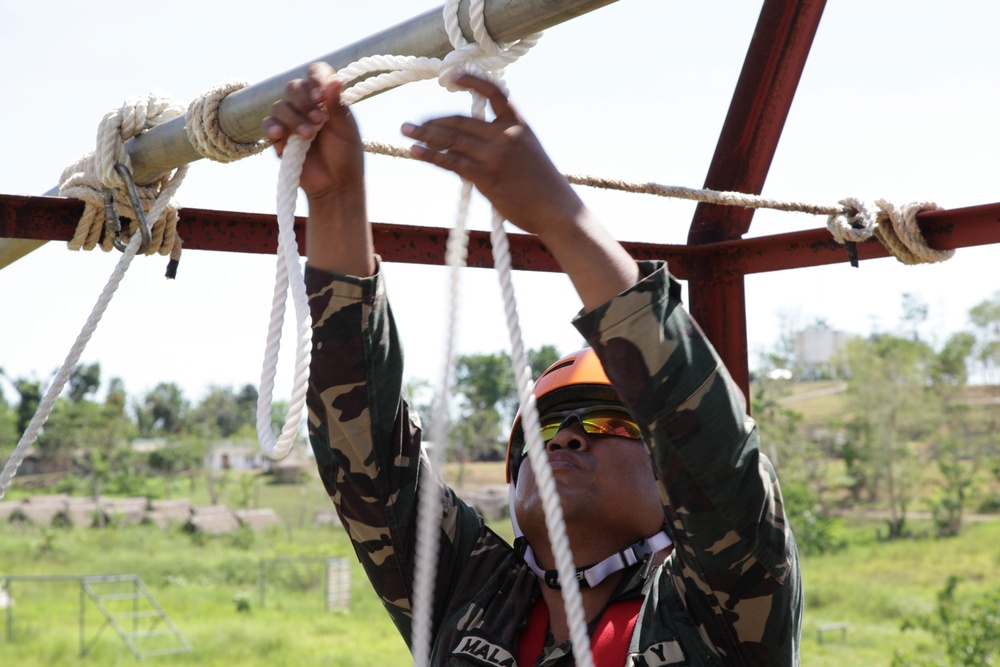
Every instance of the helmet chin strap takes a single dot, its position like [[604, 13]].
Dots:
[[588, 576]]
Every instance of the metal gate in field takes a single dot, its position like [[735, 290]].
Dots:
[[127, 607], [331, 575]]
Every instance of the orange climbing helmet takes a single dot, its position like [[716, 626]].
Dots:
[[576, 377]]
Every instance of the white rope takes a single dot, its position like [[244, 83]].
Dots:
[[86, 179], [62, 376], [292, 159], [551, 507], [902, 235], [429, 501], [394, 71], [428, 525]]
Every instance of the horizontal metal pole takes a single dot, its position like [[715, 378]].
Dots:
[[54, 219], [166, 146]]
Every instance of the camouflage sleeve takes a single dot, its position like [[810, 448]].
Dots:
[[735, 561], [367, 443]]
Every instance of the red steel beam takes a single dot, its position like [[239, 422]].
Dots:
[[55, 219], [743, 155], [944, 230]]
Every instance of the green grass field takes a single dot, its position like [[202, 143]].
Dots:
[[870, 586]]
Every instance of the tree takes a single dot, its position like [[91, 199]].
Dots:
[[175, 457], [224, 413], [968, 635], [915, 312], [540, 359], [116, 398], [485, 383], [890, 407], [83, 381], [93, 435], [31, 395], [487, 389], [959, 445], [163, 411], [985, 318], [8, 426], [797, 459]]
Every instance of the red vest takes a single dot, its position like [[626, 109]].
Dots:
[[610, 641]]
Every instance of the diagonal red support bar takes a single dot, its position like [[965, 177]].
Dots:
[[749, 137]]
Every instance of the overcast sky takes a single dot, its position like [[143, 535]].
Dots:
[[898, 100]]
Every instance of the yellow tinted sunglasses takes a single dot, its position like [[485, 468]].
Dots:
[[595, 420]]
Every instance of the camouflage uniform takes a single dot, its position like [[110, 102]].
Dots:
[[730, 592]]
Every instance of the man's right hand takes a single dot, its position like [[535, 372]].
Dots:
[[312, 109], [338, 235]]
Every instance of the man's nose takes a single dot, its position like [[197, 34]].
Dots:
[[569, 436]]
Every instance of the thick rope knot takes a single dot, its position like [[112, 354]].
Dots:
[[472, 58], [894, 226], [853, 224], [898, 231], [135, 116], [205, 132], [87, 178], [484, 57]]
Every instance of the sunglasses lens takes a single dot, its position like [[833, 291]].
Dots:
[[611, 422]]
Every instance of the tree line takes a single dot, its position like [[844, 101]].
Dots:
[[910, 432], [93, 437]]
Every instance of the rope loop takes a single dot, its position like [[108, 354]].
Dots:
[[205, 133], [898, 231]]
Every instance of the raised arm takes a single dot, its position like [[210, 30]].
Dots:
[[734, 558], [366, 441]]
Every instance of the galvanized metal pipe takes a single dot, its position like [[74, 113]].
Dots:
[[166, 146]]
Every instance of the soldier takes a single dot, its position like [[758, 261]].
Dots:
[[646, 434]]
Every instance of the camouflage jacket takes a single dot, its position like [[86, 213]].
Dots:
[[730, 592]]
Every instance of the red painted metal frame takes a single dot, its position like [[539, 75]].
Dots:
[[716, 259]]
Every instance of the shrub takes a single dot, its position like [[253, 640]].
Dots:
[[969, 635]]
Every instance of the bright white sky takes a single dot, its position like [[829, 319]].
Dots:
[[898, 100]]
